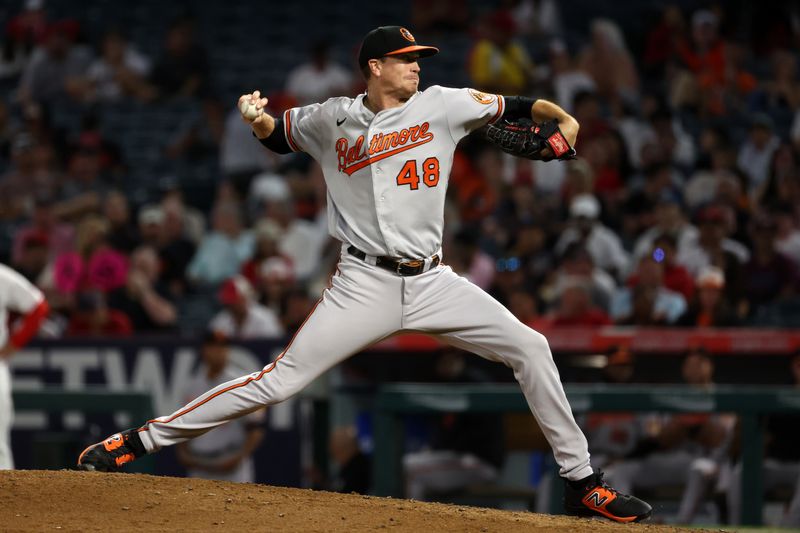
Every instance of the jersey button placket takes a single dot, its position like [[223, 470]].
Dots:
[[379, 172], [383, 205], [382, 202], [383, 208]]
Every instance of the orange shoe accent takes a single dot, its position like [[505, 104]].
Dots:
[[113, 442], [122, 459], [597, 500], [80, 457], [615, 518]]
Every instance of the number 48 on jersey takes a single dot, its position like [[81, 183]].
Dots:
[[409, 175]]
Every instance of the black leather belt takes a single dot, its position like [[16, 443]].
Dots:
[[402, 267]]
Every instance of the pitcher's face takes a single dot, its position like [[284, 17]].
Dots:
[[399, 74]]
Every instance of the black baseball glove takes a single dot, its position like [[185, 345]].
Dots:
[[524, 138]]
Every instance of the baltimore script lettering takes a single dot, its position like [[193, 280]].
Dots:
[[382, 145]]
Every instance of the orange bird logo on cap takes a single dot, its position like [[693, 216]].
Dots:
[[407, 35]]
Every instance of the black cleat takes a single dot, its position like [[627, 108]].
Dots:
[[110, 454], [592, 497]]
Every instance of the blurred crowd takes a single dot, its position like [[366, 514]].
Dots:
[[683, 208]]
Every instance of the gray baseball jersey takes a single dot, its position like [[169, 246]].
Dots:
[[387, 173]]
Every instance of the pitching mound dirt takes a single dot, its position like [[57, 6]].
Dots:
[[32, 500]]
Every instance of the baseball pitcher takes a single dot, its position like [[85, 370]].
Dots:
[[386, 158]]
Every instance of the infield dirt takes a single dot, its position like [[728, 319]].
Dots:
[[39, 500]]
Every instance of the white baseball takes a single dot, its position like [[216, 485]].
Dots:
[[249, 110]]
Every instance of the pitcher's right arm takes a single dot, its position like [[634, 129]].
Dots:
[[267, 129]]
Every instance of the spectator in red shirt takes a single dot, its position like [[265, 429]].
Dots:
[[717, 66], [676, 277], [705, 55], [472, 192], [662, 41], [93, 317], [575, 306]]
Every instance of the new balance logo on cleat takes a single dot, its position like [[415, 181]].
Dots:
[[593, 497], [596, 499]]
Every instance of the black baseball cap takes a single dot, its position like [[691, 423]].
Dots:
[[390, 41]]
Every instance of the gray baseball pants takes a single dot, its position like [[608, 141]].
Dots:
[[366, 304]]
